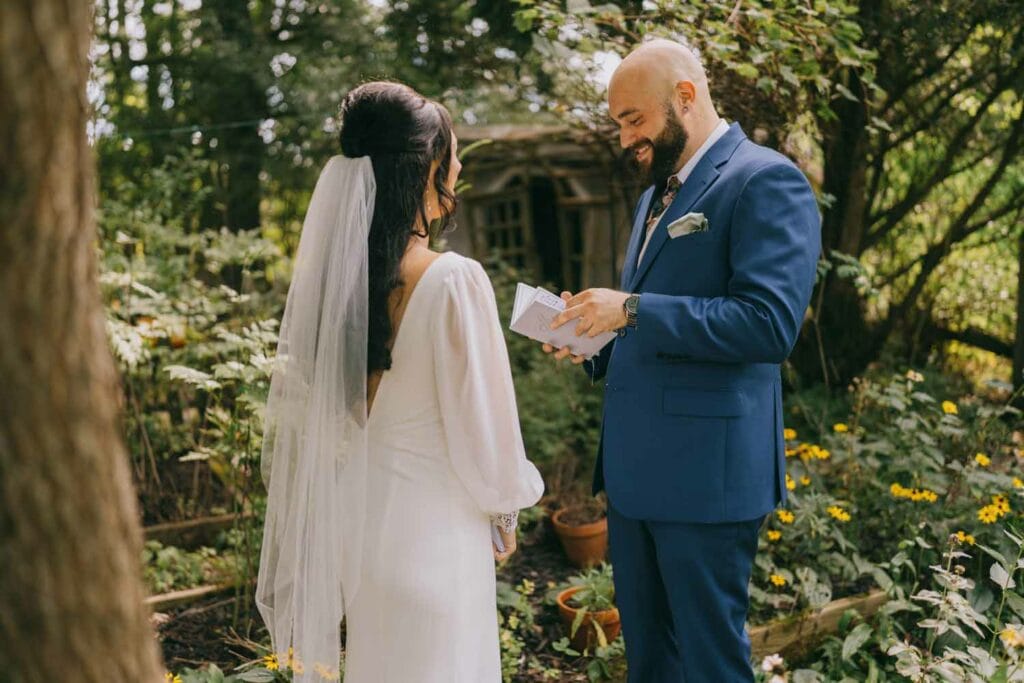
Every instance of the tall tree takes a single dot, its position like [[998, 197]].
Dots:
[[924, 167], [71, 598]]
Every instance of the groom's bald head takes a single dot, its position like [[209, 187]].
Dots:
[[661, 66], [659, 98]]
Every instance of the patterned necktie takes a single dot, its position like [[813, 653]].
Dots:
[[657, 209]]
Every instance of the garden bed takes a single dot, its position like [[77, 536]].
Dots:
[[795, 636], [192, 532]]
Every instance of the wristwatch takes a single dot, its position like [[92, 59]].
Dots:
[[630, 306]]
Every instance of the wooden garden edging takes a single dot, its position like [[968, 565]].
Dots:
[[182, 597], [192, 532], [793, 635]]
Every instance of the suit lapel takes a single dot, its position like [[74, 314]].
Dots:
[[636, 238], [703, 176]]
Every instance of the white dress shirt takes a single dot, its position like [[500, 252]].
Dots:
[[721, 129]]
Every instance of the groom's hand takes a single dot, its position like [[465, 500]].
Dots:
[[597, 311], [564, 352]]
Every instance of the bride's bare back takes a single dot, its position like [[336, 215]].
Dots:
[[411, 269]]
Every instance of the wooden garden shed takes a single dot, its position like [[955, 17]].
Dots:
[[548, 199]]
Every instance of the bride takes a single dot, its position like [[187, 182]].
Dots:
[[392, 452]]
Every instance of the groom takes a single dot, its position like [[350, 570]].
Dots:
[[717, 277]]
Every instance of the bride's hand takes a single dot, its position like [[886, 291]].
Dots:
[[509, 539]]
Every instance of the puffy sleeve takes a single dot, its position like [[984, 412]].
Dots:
[[477, 398]]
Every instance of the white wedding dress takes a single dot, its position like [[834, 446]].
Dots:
[[445, 456]]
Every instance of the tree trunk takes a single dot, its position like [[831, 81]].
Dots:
[[71, 596], [833, 349], [241, 99]]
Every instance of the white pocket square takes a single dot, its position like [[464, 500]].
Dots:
[[687, 225]]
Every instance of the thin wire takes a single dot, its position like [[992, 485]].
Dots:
[[224, 125]]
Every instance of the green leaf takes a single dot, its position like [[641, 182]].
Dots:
[[881, 578], [1016, 602], [1002, 577], [845, 92], [853, 642], [994, 554], [746, 70], [524, 19], [789, 75]]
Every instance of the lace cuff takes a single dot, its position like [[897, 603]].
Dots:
[[506, 522]]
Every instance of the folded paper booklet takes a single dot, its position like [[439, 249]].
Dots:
[[534, 310]]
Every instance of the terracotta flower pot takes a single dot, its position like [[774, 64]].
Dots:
[[586, 634], [585, 544]]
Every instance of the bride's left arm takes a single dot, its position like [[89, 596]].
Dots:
[[477, 398]]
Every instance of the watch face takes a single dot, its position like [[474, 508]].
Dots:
[[631, 303]]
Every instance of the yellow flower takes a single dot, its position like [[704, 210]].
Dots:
[[325, 672], [923, 494], [988, 514], [774, 535], [805, 480], [790, 452], [916, 495], [915, 376], [838, 513], [949, 408], [785, 516], [777, 579], [808, 451], [790, 484], [270, 663], [1012, 637], [1017, 483], [1001, 503], [788, 434], [172, 678], [293, 662], [982, 459], [840, 428], [964, 537]]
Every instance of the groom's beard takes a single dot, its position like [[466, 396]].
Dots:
[[665, 152]]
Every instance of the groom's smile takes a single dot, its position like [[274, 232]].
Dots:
[[642, 152]]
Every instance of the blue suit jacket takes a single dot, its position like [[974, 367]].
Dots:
[[692, 427]]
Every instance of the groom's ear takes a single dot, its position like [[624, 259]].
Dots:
[[686, 93]]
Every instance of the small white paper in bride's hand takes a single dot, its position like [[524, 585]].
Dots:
[[496, 539], [532, 314]]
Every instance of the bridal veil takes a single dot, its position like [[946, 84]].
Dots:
[[314, 455]]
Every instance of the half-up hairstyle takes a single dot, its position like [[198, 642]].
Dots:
[[403, 133]]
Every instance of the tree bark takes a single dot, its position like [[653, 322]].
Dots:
[[1018, 340], [840, 323], [241, 98], [71, 595]]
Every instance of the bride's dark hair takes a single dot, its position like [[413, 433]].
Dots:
[[403, 133]]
